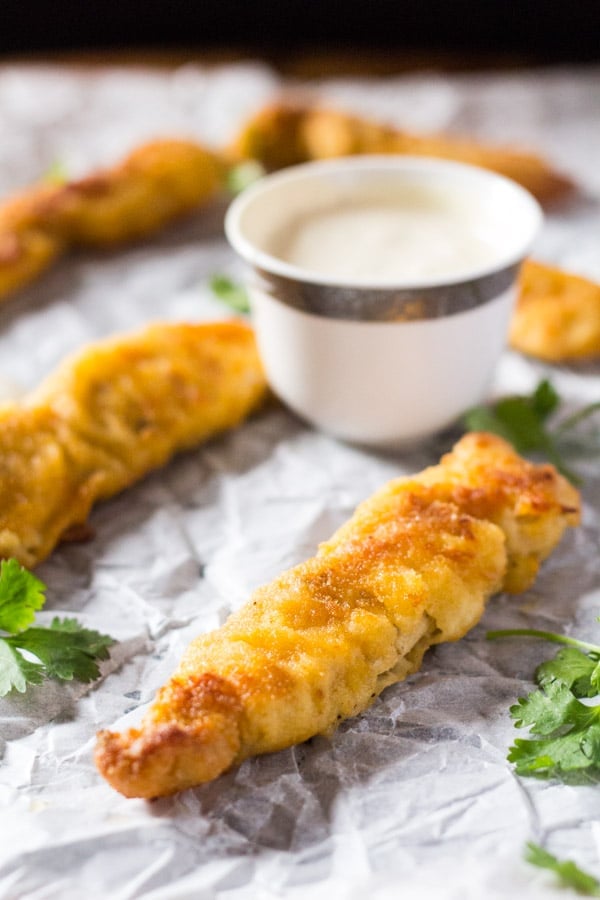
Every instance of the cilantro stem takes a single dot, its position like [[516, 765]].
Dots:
[[569, 874], [543, 635], [577, 417]]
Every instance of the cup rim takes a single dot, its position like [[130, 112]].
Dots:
[[272, 265]]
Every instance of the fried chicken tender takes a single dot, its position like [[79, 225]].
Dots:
[[157, 183], [109, 415], [557, 316], [283, 135], [412, 568]]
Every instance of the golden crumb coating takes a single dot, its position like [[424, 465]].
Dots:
[[109, 415], [25, 255], [282, 135], [557, 316], [27, 245], [157, 183], [483, 475], [413, 567]]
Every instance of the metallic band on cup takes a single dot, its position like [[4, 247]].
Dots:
[[364, 304]]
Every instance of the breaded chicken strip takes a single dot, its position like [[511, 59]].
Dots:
[[283, 135], [154, 185], [412, 568], [557, 316], [109, 415]]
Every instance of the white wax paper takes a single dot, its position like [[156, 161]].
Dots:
[[414, 798]]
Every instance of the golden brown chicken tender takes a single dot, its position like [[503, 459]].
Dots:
[[557, 316], [109, 415], [413, 567], [157, 183], [283, 135]]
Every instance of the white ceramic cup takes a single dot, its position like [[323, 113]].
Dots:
[[380, 364]]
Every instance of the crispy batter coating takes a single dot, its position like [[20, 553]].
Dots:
[[283, 135], [557, 317], [413, 567], [109, 415], [157, 183], [25, 254]]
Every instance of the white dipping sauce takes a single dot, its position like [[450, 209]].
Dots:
[[318, 234], [415, 235]]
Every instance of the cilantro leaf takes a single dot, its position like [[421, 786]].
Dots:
[[66, 650], [21, 594], [524, 422], [569, 756], [551, 709], [234, 295], [578, 671], [519, 419], [569, 873], [16, 672], [483, 418], [545, 400], [567, 731], [519, 415]]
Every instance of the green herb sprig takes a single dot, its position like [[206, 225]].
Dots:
[[527, 423], [56, 174], [243, 175], [230, 293], [63, 650], [566, 741], [569, 873]]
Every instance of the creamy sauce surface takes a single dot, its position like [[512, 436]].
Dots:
[[422, 235]]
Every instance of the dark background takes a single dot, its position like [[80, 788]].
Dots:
[[519, 31]]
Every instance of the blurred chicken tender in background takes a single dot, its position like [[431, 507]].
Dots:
[[283, 135], [156, 184]]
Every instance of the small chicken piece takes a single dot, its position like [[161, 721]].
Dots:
[[111, 414], [157, 183], [412, 568], [283, 135], [557, 316]]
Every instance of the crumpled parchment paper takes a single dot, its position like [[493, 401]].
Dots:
[[413, 799]]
